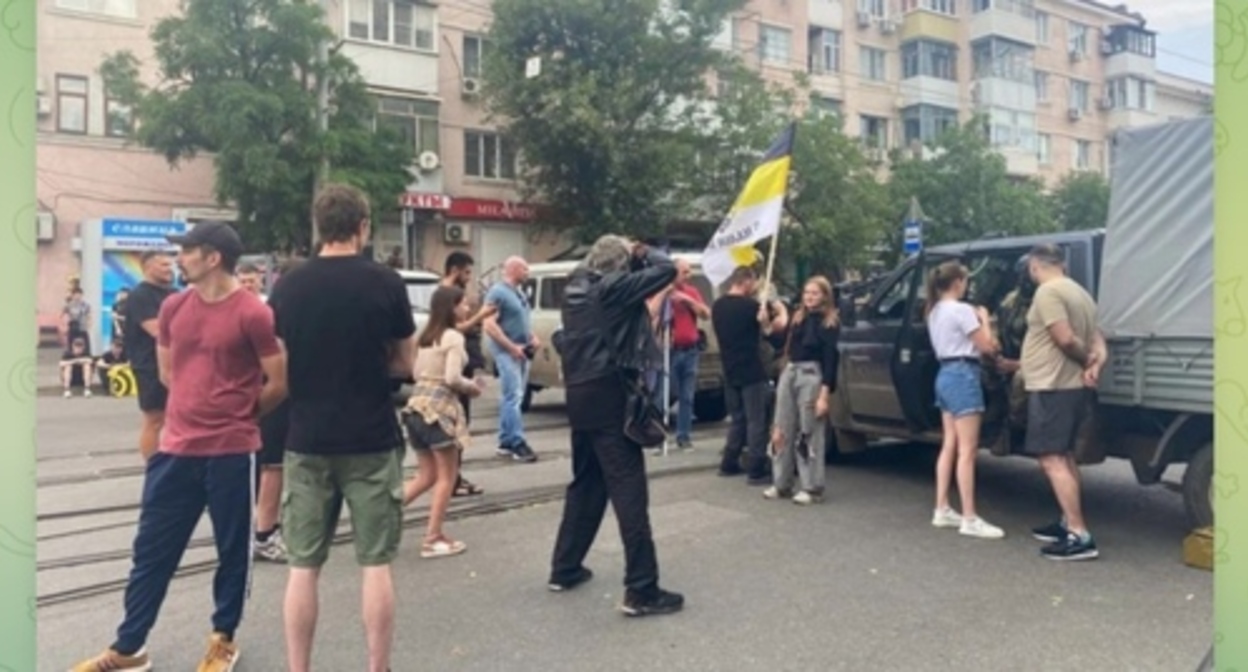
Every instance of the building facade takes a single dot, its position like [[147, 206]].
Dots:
[[1054, 78]]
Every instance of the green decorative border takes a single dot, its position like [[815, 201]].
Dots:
[[1231, 347], [18, 336]]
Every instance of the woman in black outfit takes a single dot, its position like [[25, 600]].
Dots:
[[803, 396]]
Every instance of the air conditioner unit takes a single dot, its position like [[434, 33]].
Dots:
[[976, 93], [864, 20], [455, 233], [888, 27], [1106, 103], [44, 106], [428, 162], [41, 85], [1107, 48], [45, 223], [1074, 114], [470, 87], [1076, 55]]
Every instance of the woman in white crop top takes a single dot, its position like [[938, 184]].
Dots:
[[434, 417], [961, 336]]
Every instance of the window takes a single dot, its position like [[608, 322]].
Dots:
[[924, 58], [1132, 39], [876, 8], [1044, 149], [826, 107], [1042, 86], [996, 58], [120, 8], [1130, 93], [1079, 95], [874, 131], [891, 304], [71, 104], [1042, 28], [947, 7], [415, 120], [118, 119], [926, 123], [1083, 155], [775, 45], [401, 23], [550, 294], [1077, 38], [1011, 128], [474, 55], [824, 50], [488, 156], [873, 64]]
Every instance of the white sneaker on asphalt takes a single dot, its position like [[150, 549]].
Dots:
[[804, 498], [980, 529], [271, 550], [946, 518], [772, 492]]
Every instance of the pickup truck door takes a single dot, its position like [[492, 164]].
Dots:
[[914, 363]]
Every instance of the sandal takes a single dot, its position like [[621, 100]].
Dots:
[[467, 488], [442, 548]]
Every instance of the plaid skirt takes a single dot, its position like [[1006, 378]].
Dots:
[[434, 418]]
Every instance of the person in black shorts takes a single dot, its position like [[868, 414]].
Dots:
[[141, 328], [458, 273], [274, 428]]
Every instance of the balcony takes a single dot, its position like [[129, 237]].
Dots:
[[922, 23], [826, 13], [1132, 118], [1014, 20], [1130, 50], [1003, 93], [1124, 63], [393, 67], [1020, 162], [930, 91]]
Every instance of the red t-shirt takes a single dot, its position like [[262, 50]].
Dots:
[[684, 320], [215, 376]]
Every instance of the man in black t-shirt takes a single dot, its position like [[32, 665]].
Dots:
[[347, 325], [458, 273], [740, 323], [140, 332]]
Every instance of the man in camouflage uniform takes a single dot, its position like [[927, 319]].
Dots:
[[1012, 323]]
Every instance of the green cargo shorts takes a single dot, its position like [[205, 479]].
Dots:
[[314, 490]]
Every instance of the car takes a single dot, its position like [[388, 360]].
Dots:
[[420, 288]]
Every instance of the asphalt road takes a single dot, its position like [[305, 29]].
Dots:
[[861, 582]]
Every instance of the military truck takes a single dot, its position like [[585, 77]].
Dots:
[[1151, 270]]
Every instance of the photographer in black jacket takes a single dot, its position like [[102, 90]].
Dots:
[[605, 344]]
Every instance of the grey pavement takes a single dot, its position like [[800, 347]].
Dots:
[[861, 582]]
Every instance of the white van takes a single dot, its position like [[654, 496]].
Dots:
[[420, 288], [544, 290]]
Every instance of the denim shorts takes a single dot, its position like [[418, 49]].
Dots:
[[958, 389]]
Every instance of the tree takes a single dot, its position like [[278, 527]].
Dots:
[[609, 130], [842, 207], [964, 190], [237, 80], [1081, 201]]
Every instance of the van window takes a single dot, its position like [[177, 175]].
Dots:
[[529, 289], [891, 304], [551, 294], [1078, 266], [703, 286]]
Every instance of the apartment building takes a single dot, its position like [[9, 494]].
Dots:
[[1053, 77], [86, 170]]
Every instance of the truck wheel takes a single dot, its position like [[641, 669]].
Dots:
[[527, 401], [710, 406], [1198, 487]]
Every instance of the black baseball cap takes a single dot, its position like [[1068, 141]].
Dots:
[[218, 235]]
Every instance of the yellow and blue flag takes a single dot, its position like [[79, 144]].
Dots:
[[754, 216]]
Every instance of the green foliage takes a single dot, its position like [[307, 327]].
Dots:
[[843, 208], [610, 128], [965, 191], [238, 81], [1081, 201]]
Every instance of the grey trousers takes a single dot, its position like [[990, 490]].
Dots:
[[795, 418]]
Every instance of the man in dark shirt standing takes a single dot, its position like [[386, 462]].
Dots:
[[347, 326], [740, 323], [141, 327], [458, 273]]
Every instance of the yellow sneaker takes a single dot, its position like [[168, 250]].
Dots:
[[221, 656], [111, 661]]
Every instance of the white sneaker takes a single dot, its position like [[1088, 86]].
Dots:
[[804, 498], [981, 529], [86, 393], [946, 518], [772, 492], [68, 394]]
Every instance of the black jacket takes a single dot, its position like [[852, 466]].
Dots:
[[606, 325]]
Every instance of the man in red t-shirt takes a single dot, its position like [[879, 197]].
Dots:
[[219, 356], [688, 307]]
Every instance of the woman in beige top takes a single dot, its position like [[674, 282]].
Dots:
[[434, 418]]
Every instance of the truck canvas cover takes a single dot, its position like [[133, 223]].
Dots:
[[1157, 269]]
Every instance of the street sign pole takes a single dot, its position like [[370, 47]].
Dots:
[[912, 230]]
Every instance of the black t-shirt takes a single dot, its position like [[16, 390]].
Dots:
[[735, 319], [338, 317], [142, 305]]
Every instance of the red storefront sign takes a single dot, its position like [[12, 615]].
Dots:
[[487, 209], [424, 201]]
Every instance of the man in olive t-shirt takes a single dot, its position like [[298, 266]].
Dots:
[[1062, 357]]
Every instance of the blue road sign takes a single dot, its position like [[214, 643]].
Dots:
[[912, 238]]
